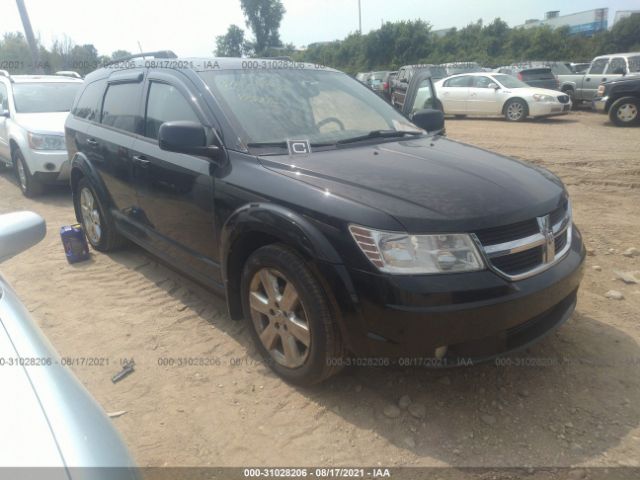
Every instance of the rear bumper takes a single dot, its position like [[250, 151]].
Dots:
[[476, 315], [599, 104]]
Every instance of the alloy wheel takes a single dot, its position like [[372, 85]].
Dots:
[[515, 111], [627, 112], [279, 317], [22, 174], [90, 216]]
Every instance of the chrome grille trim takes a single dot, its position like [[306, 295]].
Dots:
[[532, 241]]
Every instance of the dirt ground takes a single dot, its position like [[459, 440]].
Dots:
[[575, 403]]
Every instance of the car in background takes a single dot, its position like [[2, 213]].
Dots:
[[335, 226], [380, 83], [583, 87], [33, 109], [620, 99], [538, 76], [363, 77], [48, 418], [455, 68], [405, 73], [578, 67], [499, 94]]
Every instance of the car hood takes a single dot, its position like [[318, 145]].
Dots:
[[42, 122], [429, 183]]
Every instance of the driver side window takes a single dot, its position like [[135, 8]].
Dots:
[[164, 104], [482, 82]]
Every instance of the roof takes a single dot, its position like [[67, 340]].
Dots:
[[43, 78]]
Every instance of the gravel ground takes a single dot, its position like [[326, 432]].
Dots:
[[571, 400]]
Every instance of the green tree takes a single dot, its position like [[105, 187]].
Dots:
[[263, 17], [232, 43], [120, 54]]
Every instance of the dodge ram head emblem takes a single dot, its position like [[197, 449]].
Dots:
[[549, 245]]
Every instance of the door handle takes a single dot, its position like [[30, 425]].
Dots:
[[587, 79], [141, 160], [92, 141]]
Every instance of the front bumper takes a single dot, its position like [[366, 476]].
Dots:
[[544, 109], [49, 166], [599, 104], [476, 315]]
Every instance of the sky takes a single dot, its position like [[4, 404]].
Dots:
[[189, 27]]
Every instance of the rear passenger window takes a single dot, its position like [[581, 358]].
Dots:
[[87, 106], [164, 104], [120, 107]]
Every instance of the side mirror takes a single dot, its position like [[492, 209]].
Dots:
[[19, 231], [186, 137], [5, 113], [429, 119], [495, 86]]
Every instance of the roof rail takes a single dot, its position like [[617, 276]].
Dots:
[[68, 73], [158, 54]]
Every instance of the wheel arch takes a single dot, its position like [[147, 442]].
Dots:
[[258, 224], [80, 168], [511, 99]]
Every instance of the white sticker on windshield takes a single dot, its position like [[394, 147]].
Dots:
[[299, 147]]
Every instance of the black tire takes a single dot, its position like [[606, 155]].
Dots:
[[29, 185], [625, 112], [109, 238], [325, 352], [512, 107]]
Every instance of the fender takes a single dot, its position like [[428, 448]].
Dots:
[[279, 222], [81, 164]]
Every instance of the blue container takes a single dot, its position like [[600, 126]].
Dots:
[[74, 243]]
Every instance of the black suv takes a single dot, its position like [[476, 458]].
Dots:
[[620, 98], [343, 232]]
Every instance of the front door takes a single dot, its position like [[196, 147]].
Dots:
[[483, 97], [454, 94], [594, 77], [175, 191]]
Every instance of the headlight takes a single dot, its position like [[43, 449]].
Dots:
[[543, 98], [46, 142], [398, 252]]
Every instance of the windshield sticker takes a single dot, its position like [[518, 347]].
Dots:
[[299, 147]]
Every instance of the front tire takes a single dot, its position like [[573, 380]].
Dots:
[[29, 185], [625, 112], [98, 224], [290, 315], [516, 110]]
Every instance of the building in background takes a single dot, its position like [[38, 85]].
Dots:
[[581, 23], [620, 14]]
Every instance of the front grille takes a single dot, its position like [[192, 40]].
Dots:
[[521, 249], [563, 98], [492, 236], [520, 262]]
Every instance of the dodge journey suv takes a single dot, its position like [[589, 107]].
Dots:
[[338, 228], [33, 109]]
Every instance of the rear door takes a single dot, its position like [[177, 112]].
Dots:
[[594, 77], [175, 191], [454, 94], [108, 142], [483, 98]]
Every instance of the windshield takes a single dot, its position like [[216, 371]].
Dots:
[[508, 81], [634, 64], [44, 97], [272, 106]]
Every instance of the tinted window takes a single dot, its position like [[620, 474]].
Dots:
[[120, 107], [165, 103], [463, 81], [47, 97], [598, 66], [617, 64], [87, 106]]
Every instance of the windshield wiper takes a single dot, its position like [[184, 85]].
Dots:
[[378, 134]]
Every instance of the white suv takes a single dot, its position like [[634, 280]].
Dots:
[[33, 109]]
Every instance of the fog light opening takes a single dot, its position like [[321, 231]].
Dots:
[[440, 352], [50, 166]]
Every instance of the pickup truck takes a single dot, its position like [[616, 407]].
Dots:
[[620, 99], [583, 88]]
